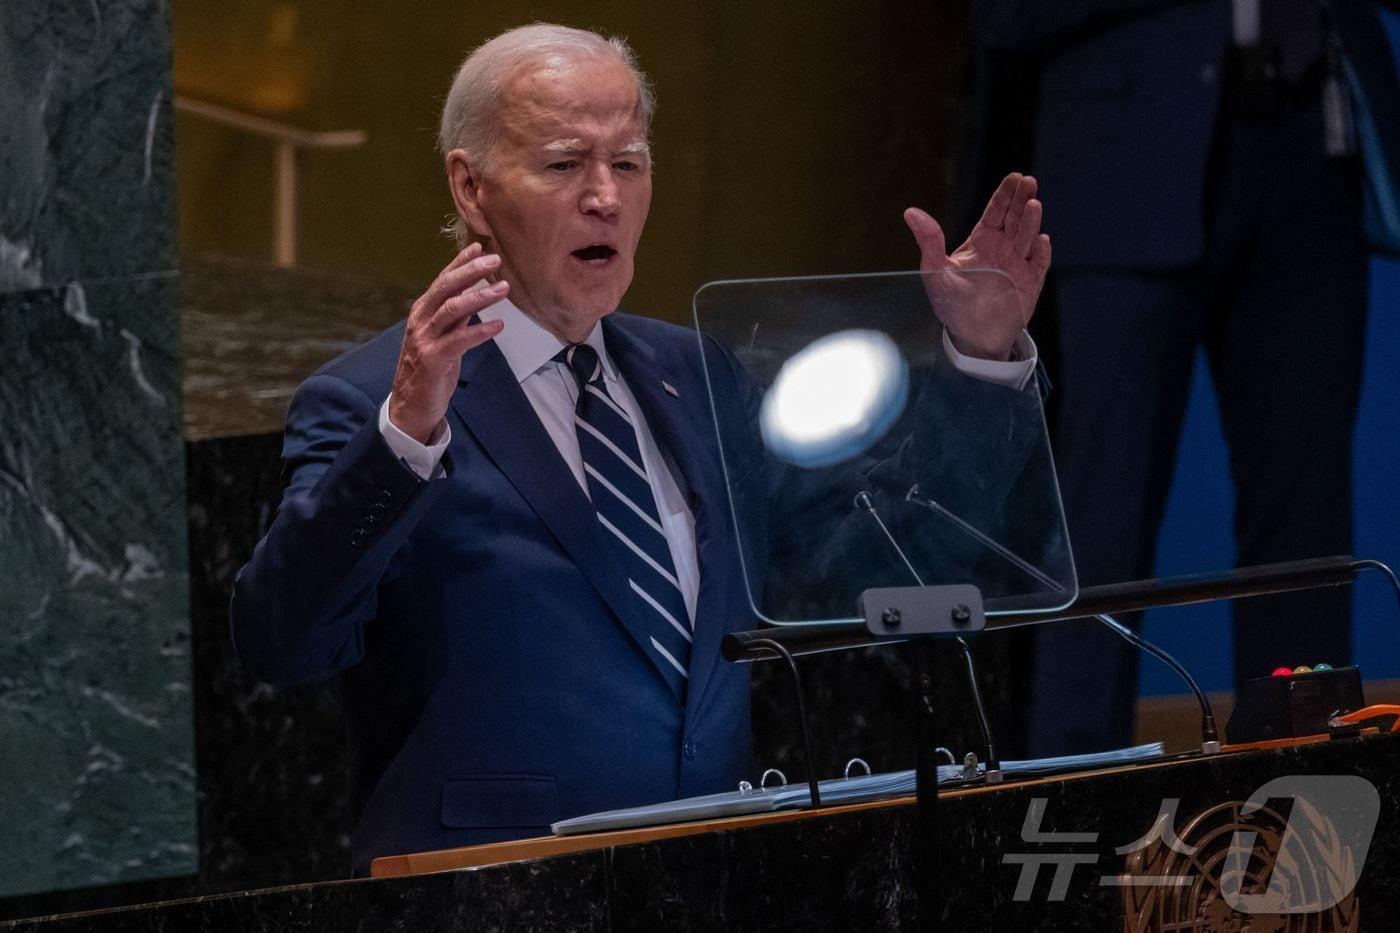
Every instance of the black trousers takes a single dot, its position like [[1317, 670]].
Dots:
[[1279, 304]]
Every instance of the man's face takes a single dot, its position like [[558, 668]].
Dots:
[[566, 192]]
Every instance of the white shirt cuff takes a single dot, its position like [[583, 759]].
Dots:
[[1013, 375], [421, 459]]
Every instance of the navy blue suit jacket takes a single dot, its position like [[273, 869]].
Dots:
[[495, 674], [495, 679]]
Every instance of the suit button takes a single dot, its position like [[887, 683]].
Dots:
[[385, 497], [1207, 74], [357, 538], [689, 750]]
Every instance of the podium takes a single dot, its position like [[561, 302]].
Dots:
[[1040, 854]]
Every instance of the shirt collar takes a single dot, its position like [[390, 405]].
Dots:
[[528, 347]]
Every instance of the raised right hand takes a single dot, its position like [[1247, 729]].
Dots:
[[437, 335]]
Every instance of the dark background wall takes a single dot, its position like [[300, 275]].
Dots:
[[788, 138]]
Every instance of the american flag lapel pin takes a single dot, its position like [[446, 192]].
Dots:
[[670, 388]]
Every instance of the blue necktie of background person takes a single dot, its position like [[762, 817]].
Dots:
[[621, 493]]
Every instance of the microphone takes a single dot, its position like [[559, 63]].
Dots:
[[993, 772], [1210, 737]]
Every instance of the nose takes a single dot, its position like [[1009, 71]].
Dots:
[[600, 194]]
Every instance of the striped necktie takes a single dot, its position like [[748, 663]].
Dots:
[[622, 497]]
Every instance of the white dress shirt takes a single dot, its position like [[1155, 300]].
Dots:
[[550, 386], [529, 350]]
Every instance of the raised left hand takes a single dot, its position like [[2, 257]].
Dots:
[[984, 313]]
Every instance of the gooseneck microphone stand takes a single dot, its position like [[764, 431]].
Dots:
[[1210, 736]]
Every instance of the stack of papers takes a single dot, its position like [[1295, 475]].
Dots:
[[839, 790]]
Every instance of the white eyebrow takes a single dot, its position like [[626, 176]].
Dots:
[[576, 146], [567, 146]]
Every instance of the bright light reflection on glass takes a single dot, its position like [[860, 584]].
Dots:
[[834, 398]]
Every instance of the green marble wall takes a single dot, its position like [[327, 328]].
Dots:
[[97, 779]]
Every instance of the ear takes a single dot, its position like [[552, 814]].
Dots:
[[465, 181]]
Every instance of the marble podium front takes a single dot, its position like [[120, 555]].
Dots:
[[847, 868]]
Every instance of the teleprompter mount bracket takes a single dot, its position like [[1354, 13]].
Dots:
[[923, 611]]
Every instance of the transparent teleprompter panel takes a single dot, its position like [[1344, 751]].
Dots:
[[861, 448]]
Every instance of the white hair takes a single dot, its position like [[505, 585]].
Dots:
[[471, 114]]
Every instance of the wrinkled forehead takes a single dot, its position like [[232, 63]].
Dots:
[[560, 95]]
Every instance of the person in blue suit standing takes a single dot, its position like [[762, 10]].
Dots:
[[504, 523], [1208, 195]]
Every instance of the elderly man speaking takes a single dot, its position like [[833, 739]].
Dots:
[[504, 524]]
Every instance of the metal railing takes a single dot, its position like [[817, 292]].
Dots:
[[287, 141]]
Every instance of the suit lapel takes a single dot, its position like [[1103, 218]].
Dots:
[[680, 418], [493, 407]]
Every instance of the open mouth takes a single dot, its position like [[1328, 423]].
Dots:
[[597, 254]]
